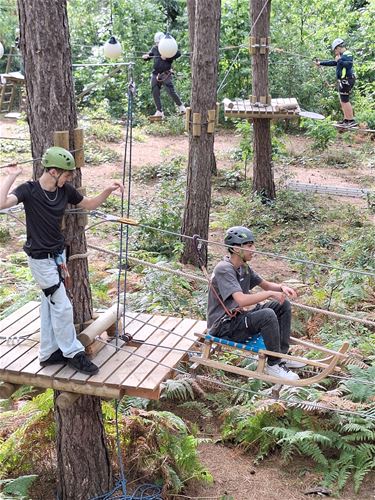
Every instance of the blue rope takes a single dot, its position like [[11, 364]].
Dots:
[[142, 492]]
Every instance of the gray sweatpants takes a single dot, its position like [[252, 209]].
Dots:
[[56, 312], [169, 87]]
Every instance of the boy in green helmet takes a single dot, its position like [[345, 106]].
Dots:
[[45, 201]]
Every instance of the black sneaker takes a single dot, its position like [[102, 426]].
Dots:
[[81, 363], [350, 124], [56, 357]]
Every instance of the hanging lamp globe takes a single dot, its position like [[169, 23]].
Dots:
[[1, 50], [167, 46], [112, 49]]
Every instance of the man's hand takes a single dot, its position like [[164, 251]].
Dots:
[[116, 185], [288, 291], [145, 57], [13, 169], [278, 296]]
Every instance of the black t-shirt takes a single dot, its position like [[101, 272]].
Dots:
[[44, 212], [161, 65]]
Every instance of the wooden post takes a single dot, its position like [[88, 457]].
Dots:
[[217, 112], [211, 121], [263, 182], [7, 389], [197, 124], [61, 139], [66, 399], [79, 153]]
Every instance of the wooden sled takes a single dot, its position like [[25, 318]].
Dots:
[[255, 345], [342, 129]]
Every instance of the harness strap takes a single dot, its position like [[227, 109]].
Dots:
[[197, 247]]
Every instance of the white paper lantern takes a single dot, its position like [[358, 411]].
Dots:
[[167, 46], [112, 49], [1, 50]]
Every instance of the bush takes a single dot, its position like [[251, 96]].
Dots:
[[321, 131], [166, 170]]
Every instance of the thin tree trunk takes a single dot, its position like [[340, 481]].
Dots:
[[83, 464], [263, 182], [203, 98]]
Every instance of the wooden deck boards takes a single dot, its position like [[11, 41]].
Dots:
[[280, 108], [135, 369]]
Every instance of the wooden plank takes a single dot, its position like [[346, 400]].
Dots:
[[6, 347], [17, 315], [116, 363], [119, 378], [25, 359], [156, 355], [160, 372], [13, 354]]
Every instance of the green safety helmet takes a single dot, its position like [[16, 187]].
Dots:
[[238, 235], [58, 158]]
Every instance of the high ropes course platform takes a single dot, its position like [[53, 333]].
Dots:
[[136, 368]]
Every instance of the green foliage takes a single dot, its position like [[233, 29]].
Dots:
[[159, 446], [164, 212], [171, 126], [30, 445], [4, 234], [360, 386], [167, 170], [289, 208], [96, 154], [18, 488], [104, 131], [166, 293], [177, 389], [321, 131]]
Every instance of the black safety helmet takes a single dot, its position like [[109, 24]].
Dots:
[[238, 235]]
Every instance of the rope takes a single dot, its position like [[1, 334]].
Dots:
[[204, 280], [35, 159], [78, 256]]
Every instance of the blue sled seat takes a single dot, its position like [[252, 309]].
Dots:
[[253, 344]]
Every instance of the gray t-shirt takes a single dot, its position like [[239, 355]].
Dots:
[[227, 280]]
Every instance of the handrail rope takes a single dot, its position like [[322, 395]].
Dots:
[[267, 254], [204, 280], [34, 159], [177, 370]]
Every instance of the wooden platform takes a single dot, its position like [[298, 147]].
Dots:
[[279, 108], [135, 371]]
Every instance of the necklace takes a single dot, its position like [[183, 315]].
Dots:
[[46, 195]]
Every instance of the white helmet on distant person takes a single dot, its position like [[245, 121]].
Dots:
[[158, 36], [336, 43]]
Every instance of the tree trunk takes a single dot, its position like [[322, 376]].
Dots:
[[82, 457], [263, 183], [203, 98]]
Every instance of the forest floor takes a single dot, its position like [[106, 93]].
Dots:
[[235, 475]]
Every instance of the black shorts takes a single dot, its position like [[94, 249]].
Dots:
[[345, 87]]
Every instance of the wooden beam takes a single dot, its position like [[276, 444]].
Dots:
[[100, 325]]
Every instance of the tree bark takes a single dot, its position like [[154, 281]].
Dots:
[[263, 182], [203, 98], [83, 465]]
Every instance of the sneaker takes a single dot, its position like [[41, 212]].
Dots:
[[81, 363], [350, 124], [182, 109], [159, 113], [280, 371], [56, 357], [342, 123], [290, 363]]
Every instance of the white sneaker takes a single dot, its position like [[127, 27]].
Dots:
[[182, 109], [290, 363], [159, 113], [280, 372]]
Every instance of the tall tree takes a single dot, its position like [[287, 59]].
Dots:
[[263, 182], [82, 457], [204, 29]]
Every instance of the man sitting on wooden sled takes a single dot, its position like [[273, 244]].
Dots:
[[229, 293]]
